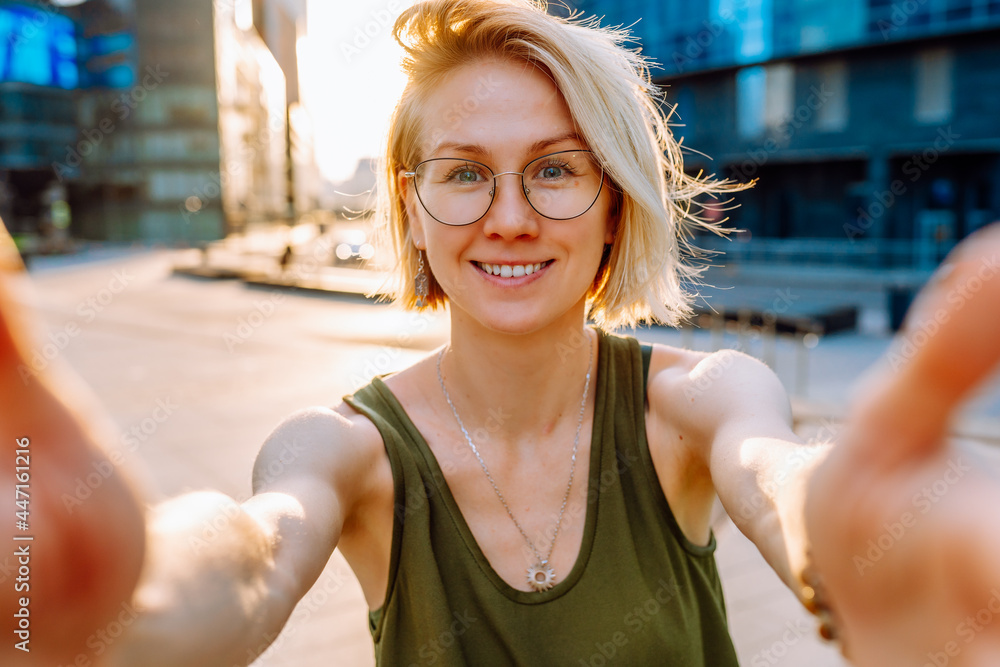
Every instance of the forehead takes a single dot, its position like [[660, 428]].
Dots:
[[496, 108]]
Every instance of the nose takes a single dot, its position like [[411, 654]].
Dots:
[[510, 215]]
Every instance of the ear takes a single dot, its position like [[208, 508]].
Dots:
[[404, 185]]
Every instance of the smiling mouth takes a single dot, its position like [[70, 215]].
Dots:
[[512, 270]]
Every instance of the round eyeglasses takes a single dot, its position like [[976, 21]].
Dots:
[[559, 186]]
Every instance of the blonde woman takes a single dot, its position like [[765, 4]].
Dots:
[[537, 487]]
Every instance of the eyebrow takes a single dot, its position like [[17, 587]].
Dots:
[[537, 147]]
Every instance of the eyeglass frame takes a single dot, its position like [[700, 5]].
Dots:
[[412, 175]]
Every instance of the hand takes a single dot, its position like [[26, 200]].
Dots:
[[903, 525], [84, 559]]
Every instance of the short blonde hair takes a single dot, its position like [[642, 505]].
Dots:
[[617, 110]]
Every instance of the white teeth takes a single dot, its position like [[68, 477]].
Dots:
[[511, 270]]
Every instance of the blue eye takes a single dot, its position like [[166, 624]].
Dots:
[[552, 172]]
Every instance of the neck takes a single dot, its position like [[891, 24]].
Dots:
[[518, 387]]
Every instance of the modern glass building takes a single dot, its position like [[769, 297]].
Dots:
[[165, 120], [872, 126]]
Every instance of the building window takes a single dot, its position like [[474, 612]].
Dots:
[[780, 94], [764, 96], [933, 86], [750, 102], [831, 116]]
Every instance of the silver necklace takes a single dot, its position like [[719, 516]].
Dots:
[[540, 576]]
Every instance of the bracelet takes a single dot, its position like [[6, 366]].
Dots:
[[814, 599]]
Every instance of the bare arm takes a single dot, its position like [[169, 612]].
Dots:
[[223, 578], [218, 579], [757, 465]]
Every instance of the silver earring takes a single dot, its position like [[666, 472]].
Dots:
[[420, 281]]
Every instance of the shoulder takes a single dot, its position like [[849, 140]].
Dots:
[[337, 445], [701, 392]]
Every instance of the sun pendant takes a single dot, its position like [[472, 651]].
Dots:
[[541, 576]]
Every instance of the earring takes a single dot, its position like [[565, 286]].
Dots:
[[420, 281]]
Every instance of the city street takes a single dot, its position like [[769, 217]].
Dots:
[[197, 372]]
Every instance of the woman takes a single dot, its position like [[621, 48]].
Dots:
[[523, 494]]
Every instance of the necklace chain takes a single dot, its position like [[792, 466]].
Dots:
[[540, 576]]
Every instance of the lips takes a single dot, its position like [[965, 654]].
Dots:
[[512, 270]]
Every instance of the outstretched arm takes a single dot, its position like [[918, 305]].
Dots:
[[223, 578], [218, 579], [757, 464], [69, 568]]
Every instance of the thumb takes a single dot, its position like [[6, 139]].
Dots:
[[950, 344]]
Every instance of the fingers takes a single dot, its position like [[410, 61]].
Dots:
[[954, 327], [950, 344]]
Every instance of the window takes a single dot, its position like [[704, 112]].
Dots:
[[831, 115], [764, 98], [750, 101], [933, 86]]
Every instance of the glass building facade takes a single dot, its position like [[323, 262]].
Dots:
[[872, 127]]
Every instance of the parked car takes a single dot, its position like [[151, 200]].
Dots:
[[351, 247]]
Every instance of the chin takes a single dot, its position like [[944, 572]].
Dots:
[[516, 319]]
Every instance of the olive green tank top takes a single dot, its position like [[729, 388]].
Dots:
[[640, 593]]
